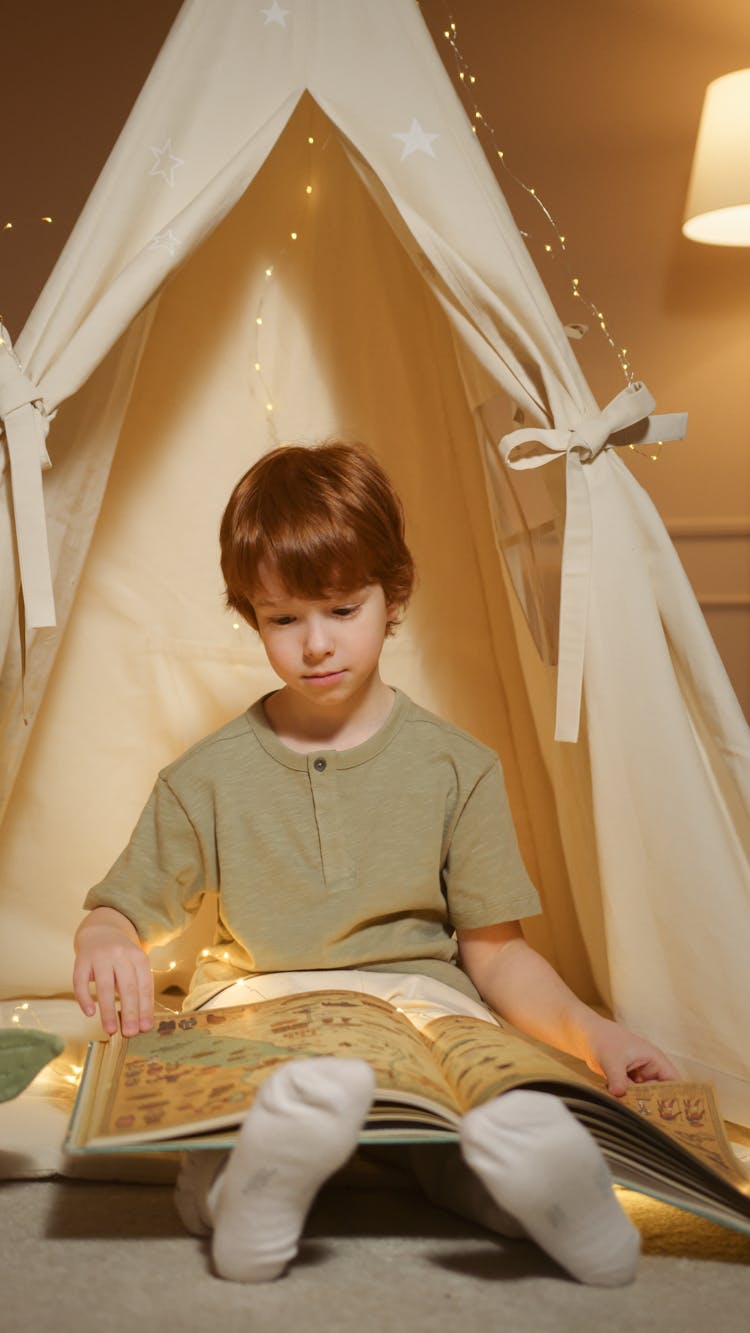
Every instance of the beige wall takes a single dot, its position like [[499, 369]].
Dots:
[[595, 103]]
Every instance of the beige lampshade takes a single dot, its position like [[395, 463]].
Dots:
[[718, 201]]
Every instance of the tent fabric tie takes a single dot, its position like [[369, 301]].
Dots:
[[25, 422], [582, 444]]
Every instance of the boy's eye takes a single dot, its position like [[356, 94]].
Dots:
[[282, 620], [345, 610]]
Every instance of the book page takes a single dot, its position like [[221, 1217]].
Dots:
[[688, 1113], [481, 1060], [204, 1068]]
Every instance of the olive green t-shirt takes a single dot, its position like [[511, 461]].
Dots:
[[361, 858]]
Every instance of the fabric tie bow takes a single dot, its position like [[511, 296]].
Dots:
[[627, 416], [25, 423]]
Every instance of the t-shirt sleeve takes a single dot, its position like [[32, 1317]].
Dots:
[[159, 879], [484, 875]]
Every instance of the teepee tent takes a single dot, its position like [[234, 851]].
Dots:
[[207, 305]]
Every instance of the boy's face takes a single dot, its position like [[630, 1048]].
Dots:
[[326, 650]]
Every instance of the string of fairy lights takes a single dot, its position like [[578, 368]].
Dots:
[[10, 226], [555, 245], [270, 272]]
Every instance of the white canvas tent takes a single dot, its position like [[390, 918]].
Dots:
[[408, 313]]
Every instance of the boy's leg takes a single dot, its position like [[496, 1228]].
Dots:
[[302, 1126], [447, 1181], [544, 1169], [193, 1191]]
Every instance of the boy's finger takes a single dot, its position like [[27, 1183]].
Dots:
[[145, 997], [127, 988], [105, 994], [81, 979]]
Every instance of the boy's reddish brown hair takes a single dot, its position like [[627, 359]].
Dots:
[[325, 518]]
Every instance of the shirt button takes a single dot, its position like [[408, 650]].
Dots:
[[320, 765]]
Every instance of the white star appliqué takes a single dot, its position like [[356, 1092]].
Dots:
[[166, 240], [275, 14], [165, 162], [416, 140]]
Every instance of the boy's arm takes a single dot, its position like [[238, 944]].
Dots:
[[109, 953], [522, 987]]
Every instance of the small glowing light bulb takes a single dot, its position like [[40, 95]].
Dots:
[[8, 226], [310, 139], [172, 966], [258, 319], [269, 272], [46, 219], [472, 78], [293, 235], [269, 407], [462, 76], [205, 953], [446, 33], [15, 1019], [225, 955], [477, 115], [25, 1005], [500, 152], [308, 189], [235, 624], [257, 365], [532, 190], [548, 248]]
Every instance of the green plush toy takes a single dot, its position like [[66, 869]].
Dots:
[[23, 1052]]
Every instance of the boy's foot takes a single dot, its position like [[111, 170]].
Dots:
[[198, 1171], [302, 1126], [545, 1169]]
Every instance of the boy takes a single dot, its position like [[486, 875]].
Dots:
[[348, 834]]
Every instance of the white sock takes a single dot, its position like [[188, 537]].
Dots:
[[545, 1169], [193, 1191], [302, 1126]]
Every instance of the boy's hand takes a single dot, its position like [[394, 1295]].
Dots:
[[623, 1057], [110, 955], [525, 989]]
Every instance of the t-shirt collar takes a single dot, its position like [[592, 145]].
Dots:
[[357, 754]]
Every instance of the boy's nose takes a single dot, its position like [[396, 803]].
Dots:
[[317, 643]]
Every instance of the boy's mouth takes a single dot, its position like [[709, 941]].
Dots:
[[323, 677]]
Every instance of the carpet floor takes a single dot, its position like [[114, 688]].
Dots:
[[81, 1256]]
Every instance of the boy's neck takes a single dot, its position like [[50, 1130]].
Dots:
[[304, 728]]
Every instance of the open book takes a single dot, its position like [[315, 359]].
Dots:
[[189, 1082]]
